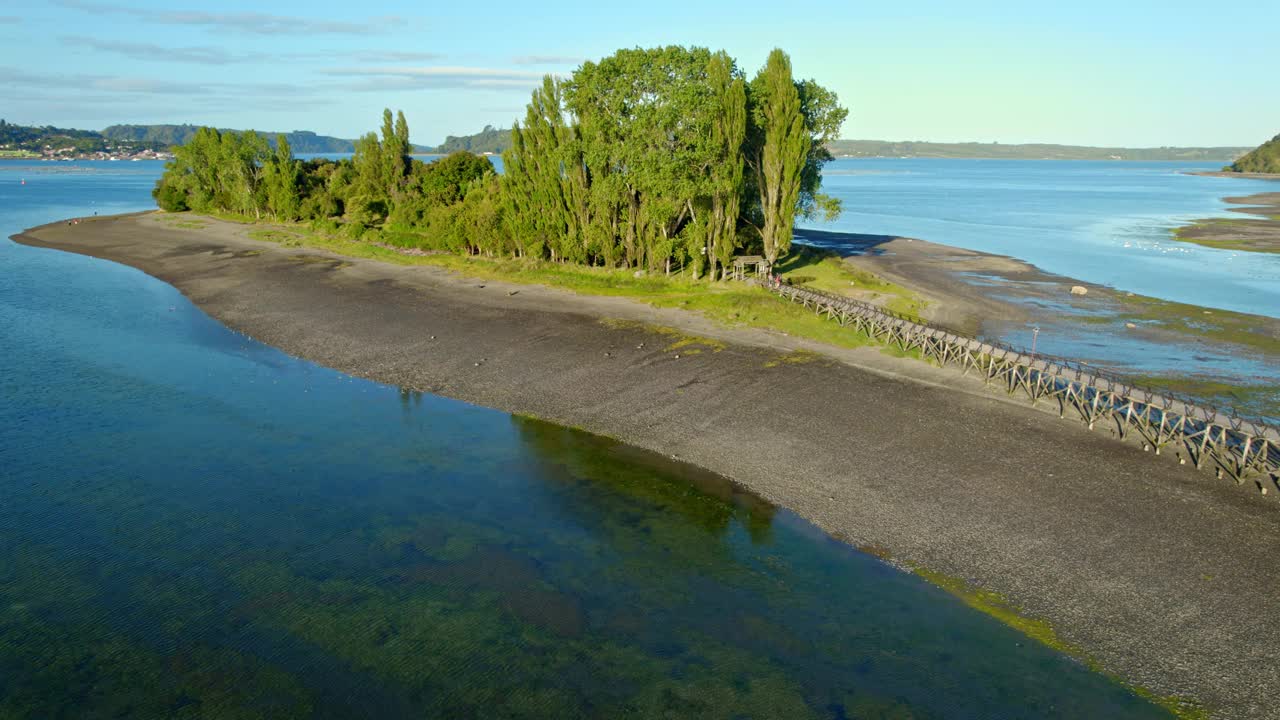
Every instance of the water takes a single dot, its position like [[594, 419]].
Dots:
[[195, 524], [1102, 222]]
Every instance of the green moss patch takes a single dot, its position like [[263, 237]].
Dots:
[[826, 271], [997, 606]]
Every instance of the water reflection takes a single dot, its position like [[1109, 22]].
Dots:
[[581, 461]]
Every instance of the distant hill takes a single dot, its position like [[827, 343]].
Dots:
[[496, 140], [490, 139], [997, 151], [1263, 159], [300, 141]]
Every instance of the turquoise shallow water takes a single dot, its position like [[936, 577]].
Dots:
[[197, 525]]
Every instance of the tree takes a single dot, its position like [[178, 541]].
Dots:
[[534, 191], [280, 180], [778, 152], [823, 118], [395, 152], [645, 121], [169, 194], [729, 126], [447, 180]]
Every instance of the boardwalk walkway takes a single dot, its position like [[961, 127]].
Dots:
[[1245, 450]]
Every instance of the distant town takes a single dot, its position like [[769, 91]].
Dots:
[[50, 153], [53, 144]]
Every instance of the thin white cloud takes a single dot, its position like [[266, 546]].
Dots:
[[126, 86], [547, 60], [433, 70], [213, 55], [203, 54], [389, 78], [244, 22], [395, 56]]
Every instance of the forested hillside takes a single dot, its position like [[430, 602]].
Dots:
[[488, 140], [497, 141], [302, 141], [663, 159], [1037, 151], [1263, 159]]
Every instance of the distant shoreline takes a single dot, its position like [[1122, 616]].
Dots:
[[919, 465], [1230, 174]]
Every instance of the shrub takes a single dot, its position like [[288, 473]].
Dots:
[[169, 197], [353, 230]]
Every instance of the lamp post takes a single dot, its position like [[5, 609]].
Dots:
[[1035, 333]]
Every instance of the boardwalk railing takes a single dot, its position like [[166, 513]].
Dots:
[[1243, 449]]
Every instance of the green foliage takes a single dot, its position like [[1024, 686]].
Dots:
[[217, 172], [1263, 159], [170, 195], [280, 180], [718, 226], [638, 161], [777, 152], [446, 181]]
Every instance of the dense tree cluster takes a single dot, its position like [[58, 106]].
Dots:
[[661, 159], [379, 190], [669, 156]]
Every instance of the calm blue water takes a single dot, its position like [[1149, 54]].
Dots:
[[197, 525], [1102, 222]]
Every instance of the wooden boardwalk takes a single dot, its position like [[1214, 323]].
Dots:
[[1244, 450]]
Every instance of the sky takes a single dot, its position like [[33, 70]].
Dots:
[[1119, 73]]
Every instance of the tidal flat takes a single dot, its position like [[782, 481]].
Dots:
[[1207, 355], [1259, 232]]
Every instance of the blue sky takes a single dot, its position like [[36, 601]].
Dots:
[[1083, 72]]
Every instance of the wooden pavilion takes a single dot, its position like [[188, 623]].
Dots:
[[743, 264]]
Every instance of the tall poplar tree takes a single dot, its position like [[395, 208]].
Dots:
[[728, 132], [777, 153], [395, 151], [534, 182], [280, 179], [367, 161]]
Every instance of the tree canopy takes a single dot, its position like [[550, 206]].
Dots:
[[662, 159], [638, 160], [1263, 159]]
